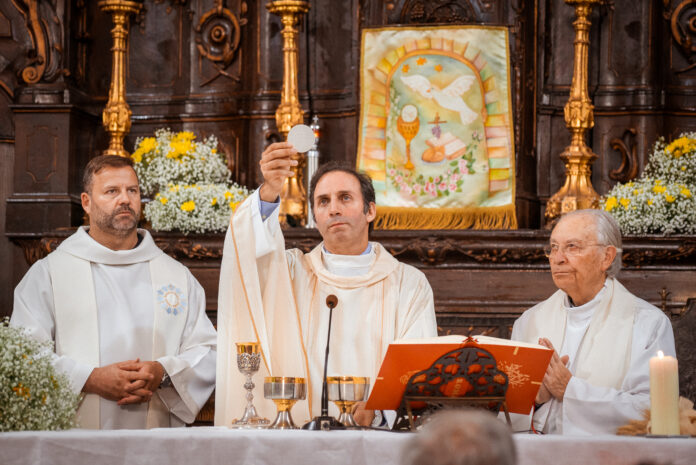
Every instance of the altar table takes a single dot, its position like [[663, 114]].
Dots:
[[209, 445]]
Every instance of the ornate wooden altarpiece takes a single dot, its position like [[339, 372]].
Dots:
[[215, 67]]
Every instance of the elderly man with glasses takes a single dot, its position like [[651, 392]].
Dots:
[[602, 335]]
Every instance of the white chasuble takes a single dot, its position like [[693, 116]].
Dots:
[[101, 307], [610, 341], [278, 298]]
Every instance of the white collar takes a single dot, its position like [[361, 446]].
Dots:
[[83, 246], [348, 265], [584, 312]]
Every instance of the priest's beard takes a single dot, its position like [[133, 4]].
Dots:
[[112, 223]]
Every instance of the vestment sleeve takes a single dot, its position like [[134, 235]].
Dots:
[[192, 369], [35, 312], [418, 317]]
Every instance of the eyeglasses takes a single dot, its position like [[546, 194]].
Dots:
[[571, 249]]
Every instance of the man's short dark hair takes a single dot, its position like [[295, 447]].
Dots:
[[97, 164], [366, 188]]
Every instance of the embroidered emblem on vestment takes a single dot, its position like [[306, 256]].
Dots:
[[171, 299]]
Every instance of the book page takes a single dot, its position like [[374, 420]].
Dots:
[[459, 339]]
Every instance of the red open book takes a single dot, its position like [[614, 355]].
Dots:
[[524, 364]]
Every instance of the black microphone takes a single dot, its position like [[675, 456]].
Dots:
[[324, 421]]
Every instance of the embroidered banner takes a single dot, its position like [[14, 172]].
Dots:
[[436, 126]]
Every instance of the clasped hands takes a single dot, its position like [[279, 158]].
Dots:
[[129, 382], [556, 378]]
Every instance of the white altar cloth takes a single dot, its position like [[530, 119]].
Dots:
[[211, 446]]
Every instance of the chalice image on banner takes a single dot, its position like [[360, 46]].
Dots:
[[248, 362], [284, 392], [345, 392], [408, 124]]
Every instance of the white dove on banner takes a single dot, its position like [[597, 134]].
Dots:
[[448, 98]]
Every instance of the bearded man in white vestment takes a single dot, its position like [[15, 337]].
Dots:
[[128, 322], [599, 377], [277, 297]]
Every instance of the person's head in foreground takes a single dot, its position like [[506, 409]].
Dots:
[[343, 206], [111, 198], [584, 250], [462, 437]]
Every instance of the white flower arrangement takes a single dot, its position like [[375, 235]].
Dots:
[[33, 396], [194, 208], [661, 201], [178, 159], [189, 181]]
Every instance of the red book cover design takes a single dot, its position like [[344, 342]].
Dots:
[[524, 364]]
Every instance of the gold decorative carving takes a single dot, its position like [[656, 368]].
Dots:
[[577, 192], [627, 147], [293, 201], [117, 113]]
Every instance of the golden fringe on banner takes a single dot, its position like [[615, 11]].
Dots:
[[446, 218]]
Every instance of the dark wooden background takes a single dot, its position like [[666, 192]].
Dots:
[[54, 78]]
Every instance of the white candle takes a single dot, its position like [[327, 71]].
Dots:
[[664, 395]]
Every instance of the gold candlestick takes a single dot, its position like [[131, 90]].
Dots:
[[117, 114], [289, 112], [577, 192]]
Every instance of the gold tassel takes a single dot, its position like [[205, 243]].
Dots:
[[446, 218]]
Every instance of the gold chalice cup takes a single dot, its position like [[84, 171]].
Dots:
[[407, 124], [248, 363], [345, 392], [284, 392]]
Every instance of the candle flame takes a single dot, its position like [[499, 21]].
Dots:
[[660, 354]]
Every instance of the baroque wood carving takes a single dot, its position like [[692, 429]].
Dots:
[[683, 26], [627, 147], [447, 248], [44, 22], [437, 11], [217, 38]]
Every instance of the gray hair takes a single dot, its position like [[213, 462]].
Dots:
[[462, 437], [608, 233]]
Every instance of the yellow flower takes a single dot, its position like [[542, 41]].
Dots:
[[610, 204], [228, 195], [624, 202], [214, 201], [683, 168], [669, 198], [234, 205], [148, 144], [188, 206], [658, 182], [213, 151], [186, 136], [163, 200], [179, 148], [686, 193], [650, 201], [137, 156], [658, 189], [681, 146], [174, 188]]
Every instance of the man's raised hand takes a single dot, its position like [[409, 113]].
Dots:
[[276, 165]]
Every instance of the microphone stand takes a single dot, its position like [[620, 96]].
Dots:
[[325, 422]]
